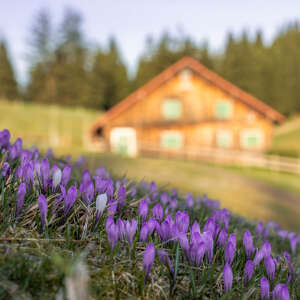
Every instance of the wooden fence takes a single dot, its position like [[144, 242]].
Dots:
[[230, 157]]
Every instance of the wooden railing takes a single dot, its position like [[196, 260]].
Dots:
[[224, 156]]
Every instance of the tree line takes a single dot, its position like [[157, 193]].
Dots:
[[66, 69]]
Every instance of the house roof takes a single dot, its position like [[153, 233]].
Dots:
[[201, 71]]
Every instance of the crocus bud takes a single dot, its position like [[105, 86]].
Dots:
[[266, 248], [258, 257], [112, 232], [227, 277], [143, 209], [148, 260], [248, 272], [270, 267], [259, 229], [158, 212], [5, 169], [130, 230], [209, 244], [43, 206], [70, 198], [101, 201], [195, 227], [222, 238], [229, 253], [144, 232], [189, 200], [281, 292], [248, 243], [56, 177], [121, 198], [232, 239], [66, 174], [20, 197], [182, 221], [264, 289]]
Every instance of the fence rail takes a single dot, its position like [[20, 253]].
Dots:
[[232, 157]]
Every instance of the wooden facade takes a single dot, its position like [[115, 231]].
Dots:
[[187, 106]]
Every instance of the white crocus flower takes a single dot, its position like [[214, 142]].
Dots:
[[101, 201], [56, 178]]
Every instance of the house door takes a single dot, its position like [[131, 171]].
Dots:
[[123, 141]]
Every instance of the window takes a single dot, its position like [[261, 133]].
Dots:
[[171, 140], [171, 109], [252, 138], [224, 138], [223, 110]]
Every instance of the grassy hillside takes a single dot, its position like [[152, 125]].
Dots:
[[70, 233], [286, 139], [63, 129]]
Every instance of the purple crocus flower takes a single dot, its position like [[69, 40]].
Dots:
[[66, 174], [195, 227], [130, 230], [280, 292], [266, 248], [13, 152], [112, 230], [157, 212], [222, 238], [183, 241], [199, 253], [210, 226], [264, 289], [20, 197], [5, 169], [148, 260], [144, 232], [189, 200], [259, 229], [258, 257], [43, 206], [227, 277], [70, 198], [182, 221], [121, 198], [248, 243], [232, 239], [209, 244], [88, 192], [248, 272], [229, 253], [143, 209], [270, 267], [4, 138]]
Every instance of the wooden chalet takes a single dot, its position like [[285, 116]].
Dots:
[[184, 108]]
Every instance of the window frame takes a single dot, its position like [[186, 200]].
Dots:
[[246, 134], [165, 134], [170, 116], [217, 112]]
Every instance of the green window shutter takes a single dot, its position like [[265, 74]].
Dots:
[[224, 138], [171, 140], [223, 110], [171, 109], [252, 139]]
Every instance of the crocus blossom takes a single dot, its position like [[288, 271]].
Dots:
[[227, 277], [248, 272], [43, 207], [248, 243], [149, 255], [264, 289], [20, 197]]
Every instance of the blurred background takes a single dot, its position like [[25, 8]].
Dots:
[[64, 63]]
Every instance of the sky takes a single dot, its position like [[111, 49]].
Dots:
[[131, 21]]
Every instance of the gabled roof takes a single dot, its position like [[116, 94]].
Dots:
[[201, 71]]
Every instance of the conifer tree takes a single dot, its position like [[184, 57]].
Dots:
[[8, 82]]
